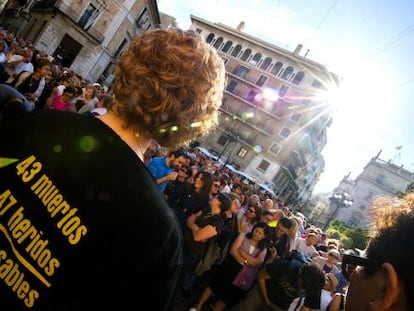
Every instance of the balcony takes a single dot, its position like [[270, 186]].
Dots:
[[238, 118], [91, 32], [238, 96]]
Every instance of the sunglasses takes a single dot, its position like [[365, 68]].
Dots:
[[350, 262], [334, 256], [216, 185], [251, 210]]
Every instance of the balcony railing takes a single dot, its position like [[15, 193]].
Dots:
[[244, 121], [238, 96], [74, 17]]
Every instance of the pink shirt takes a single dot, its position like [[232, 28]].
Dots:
[[59, 104]]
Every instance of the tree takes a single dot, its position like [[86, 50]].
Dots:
[[408, 189], [350, 238]]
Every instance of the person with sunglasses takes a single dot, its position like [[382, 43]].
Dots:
[[384, 279], [328, 263], [83, 225]]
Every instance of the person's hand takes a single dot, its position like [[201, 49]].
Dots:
[[273, 252], [172, 176]]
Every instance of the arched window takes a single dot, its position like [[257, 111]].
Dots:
[[276, 68], [256, 58], [218, 42], [287, 73], [266, 63], [236, 50], [246, 54], [227, 46], [298, 77], [210, 38]]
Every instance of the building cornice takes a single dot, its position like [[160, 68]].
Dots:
[[305, 62]]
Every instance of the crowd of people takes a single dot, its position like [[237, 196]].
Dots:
[[114, 211], [250, 228], [44, 82]]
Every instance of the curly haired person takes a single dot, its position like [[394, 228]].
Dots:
[[80, 214]]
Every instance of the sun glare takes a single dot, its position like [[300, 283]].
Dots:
[[363, 99]]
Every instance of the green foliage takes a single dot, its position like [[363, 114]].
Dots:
[[350, 238], [408, 189]]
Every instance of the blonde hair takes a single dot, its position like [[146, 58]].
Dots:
[[169, 86]]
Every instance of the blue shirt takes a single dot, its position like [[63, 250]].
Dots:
[[158, 169]]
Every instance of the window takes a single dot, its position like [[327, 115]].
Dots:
[[316, 84], [218, 42], [120, 47], [241, 71], [306, 101], [227, 46], [210, 38], [251, 95], [198, 30], [295, 117], [276, 68], [256, 58], [222, 140], [380, 179], [266, 63], [285, 132], [275, 148], [287, 73], [246, 55], [283, 90], [88, 17], [143, 21], [236, 50], [264, 165], [231, 86], [298, 77], [242, 152], [262, 80]]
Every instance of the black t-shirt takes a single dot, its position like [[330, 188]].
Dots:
[[83, 225], [283, 285]]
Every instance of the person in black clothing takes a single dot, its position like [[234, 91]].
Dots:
[[175, 185], [82, 223], [282, 281], [279, 241], [33, 84], [191, 198], [384, 277]]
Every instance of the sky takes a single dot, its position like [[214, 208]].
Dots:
[[369, 44]]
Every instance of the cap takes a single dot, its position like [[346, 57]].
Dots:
[[334, 252]]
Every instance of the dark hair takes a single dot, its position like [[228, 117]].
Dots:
[[393, 239], [312, 279], [267, 232], [42, 62], [69, 90], [286, 222], [257, 210], [237, 186], [233, 196], [178, 153], [225, 201], [207, 182]]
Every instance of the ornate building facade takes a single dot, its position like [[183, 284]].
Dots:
[[275, 112], [85, 35], [378, 178]]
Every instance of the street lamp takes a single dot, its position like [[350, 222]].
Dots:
[[232, 135], [339, 200]]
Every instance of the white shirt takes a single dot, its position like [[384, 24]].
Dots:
[[297, 303], [300, 246]]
